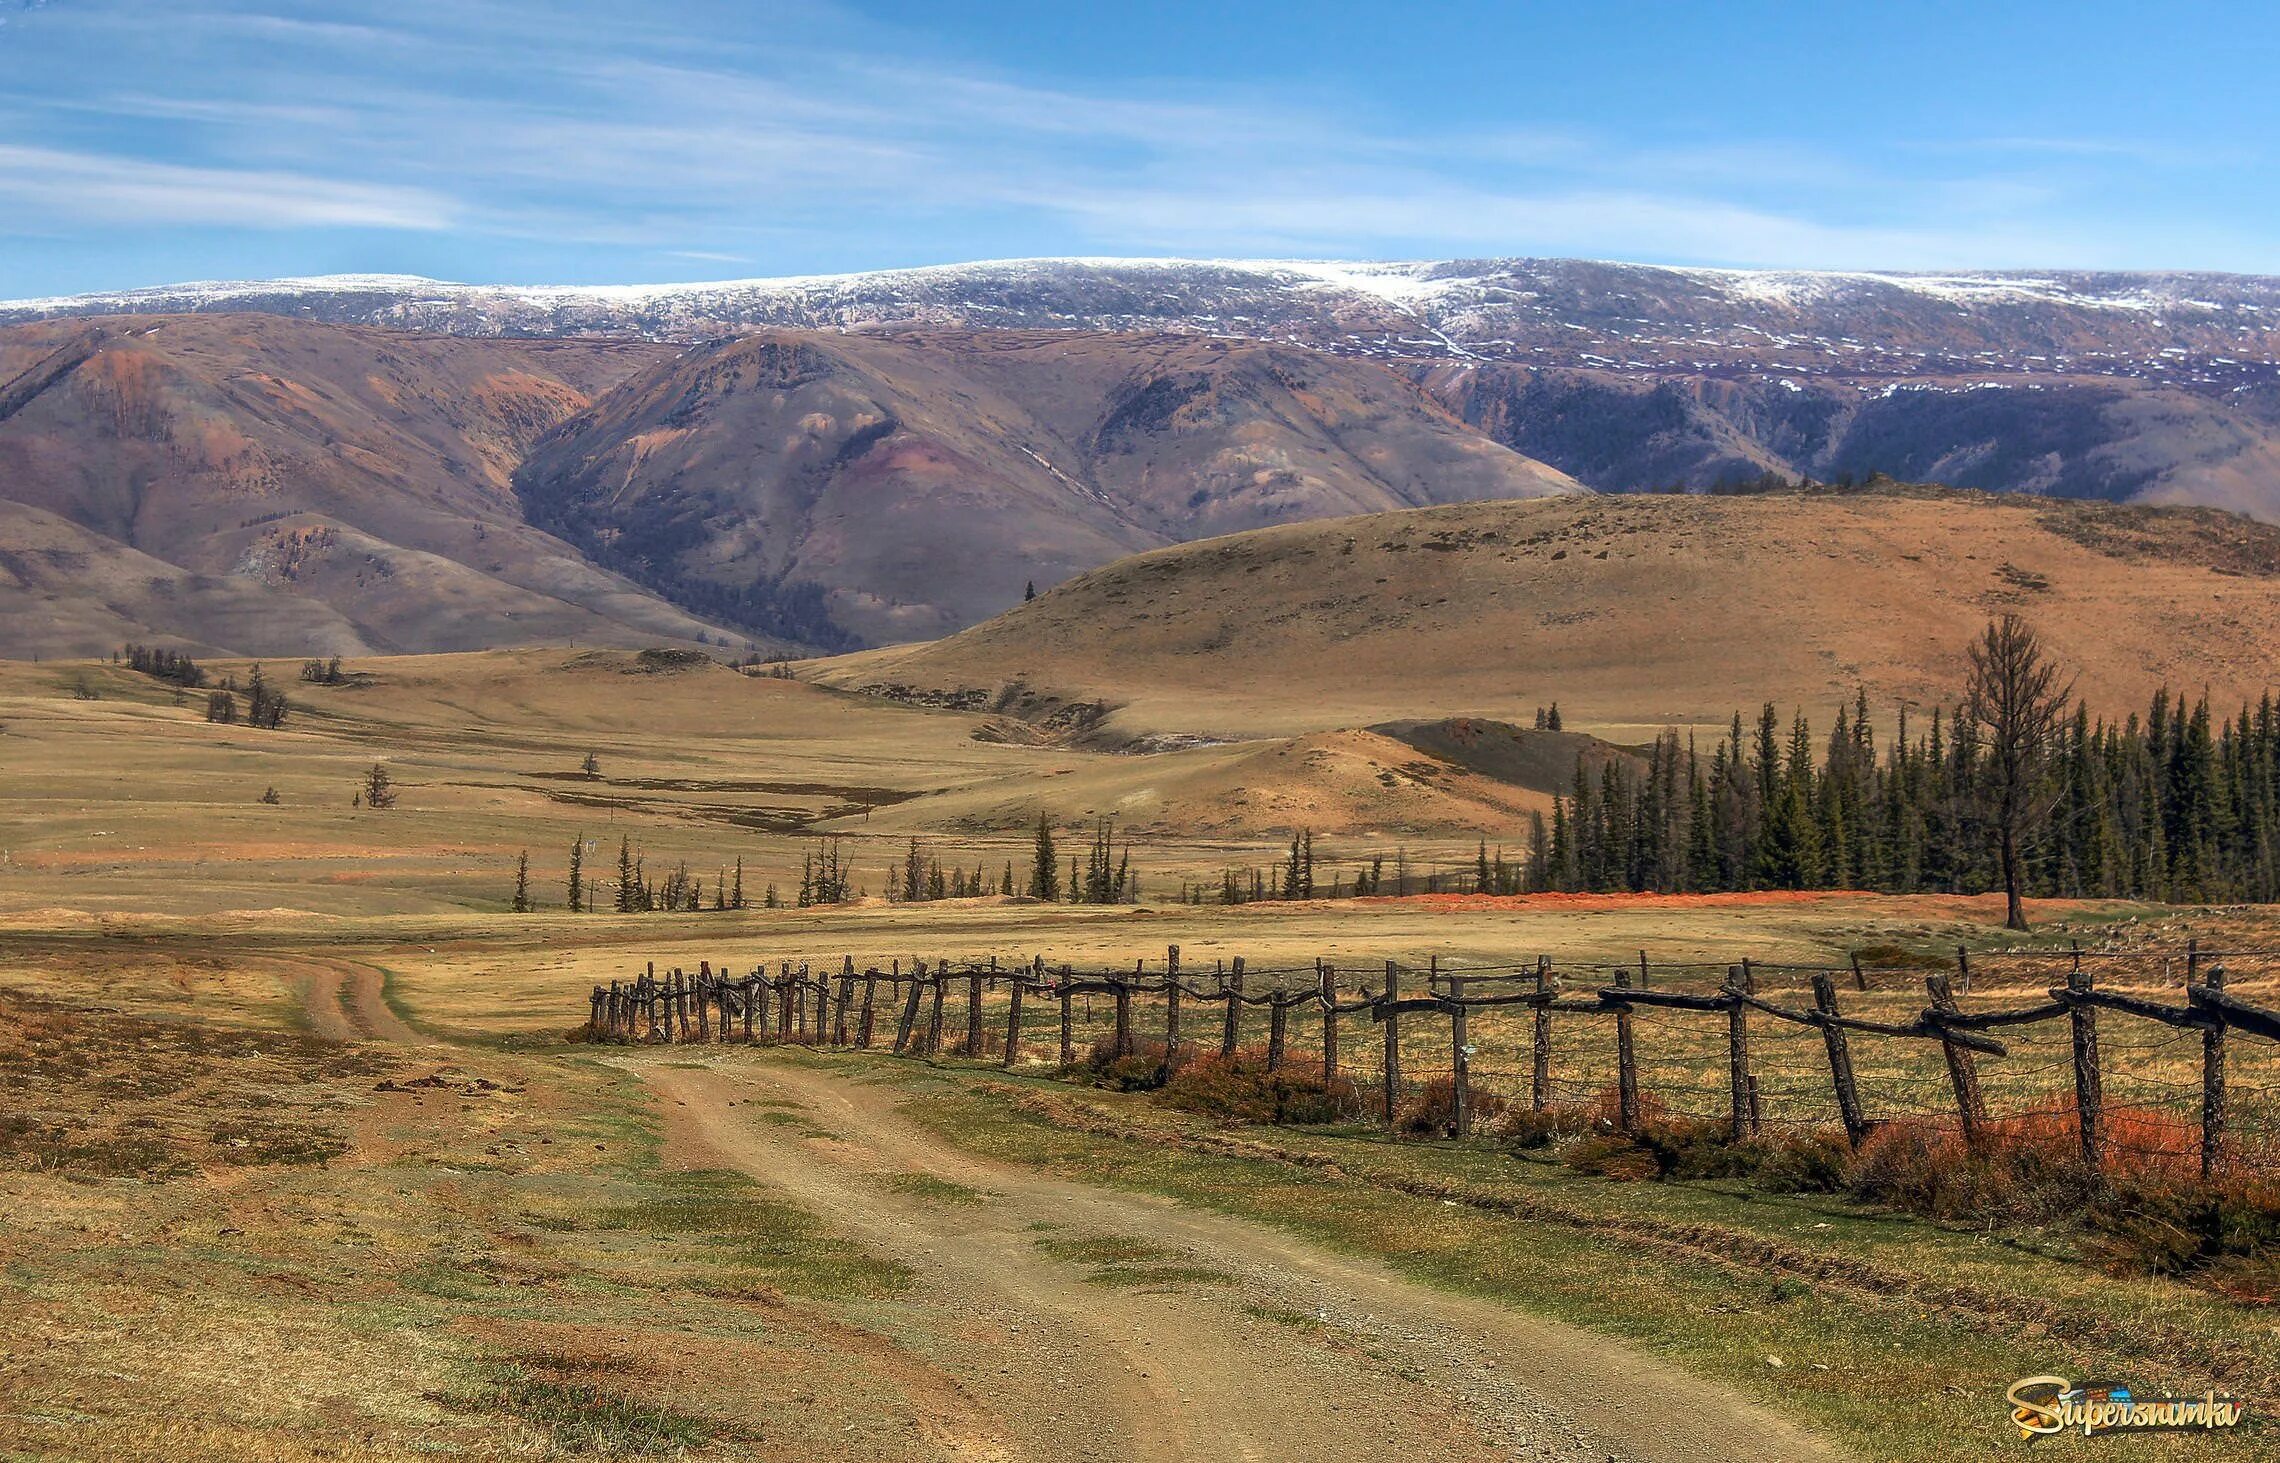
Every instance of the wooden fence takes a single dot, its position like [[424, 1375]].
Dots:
[[1748, 1044]]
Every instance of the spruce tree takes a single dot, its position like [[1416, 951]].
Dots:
[[1045, 864]]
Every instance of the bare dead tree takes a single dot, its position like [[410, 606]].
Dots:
[[2015, 697]]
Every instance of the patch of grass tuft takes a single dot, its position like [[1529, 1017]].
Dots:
[[1141, 1277], [585, 1420], [1096, 1248], [776, 1243], [934, 1190]]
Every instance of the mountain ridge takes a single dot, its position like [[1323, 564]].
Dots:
[[2151, 385]]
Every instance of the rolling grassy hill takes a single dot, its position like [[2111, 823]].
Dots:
[[1630, 612]]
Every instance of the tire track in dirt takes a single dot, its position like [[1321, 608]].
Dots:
[[345, 1001], [1375, 1364]]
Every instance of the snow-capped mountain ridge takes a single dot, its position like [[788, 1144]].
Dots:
[[2179, 325], [1396, 281]]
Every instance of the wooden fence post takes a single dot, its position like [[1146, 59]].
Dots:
[[1963, 967], [974, 1011], [1124, 1017], [1013, 1017], [1278, 1027], [703, 990], [865, 1022], [1839, 1047], [1963, 1069], [1068, 1016], [1460, 1063], [1171, 1003], [846, 1000], [1626, 1061], [594, 1015], [784, 994], [1738, 1056], [1231, 1022], [2089, 1082], [934, 1008], [910, 1006], [1329, 1024], [1392, 1045], [1860, 977], [812, 1015], [1540, 1061], [2213, 1114]]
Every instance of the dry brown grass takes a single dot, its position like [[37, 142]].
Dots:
[[1631, 611]]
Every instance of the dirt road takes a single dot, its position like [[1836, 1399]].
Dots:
[[343, 1001], [1215, 1338]]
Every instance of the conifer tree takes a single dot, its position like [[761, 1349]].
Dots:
[[2015, 698], [1044, 869]]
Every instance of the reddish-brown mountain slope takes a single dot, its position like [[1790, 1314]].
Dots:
[[897, 486], [311, 488]]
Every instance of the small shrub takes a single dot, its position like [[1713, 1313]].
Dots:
[[1610, 1155], [2227, 1233], [2014, 1173], [1240, 1089], [1144, 1070], [1800, 1162], [1527, 1128], [1693, 1148], [1433, 1112]]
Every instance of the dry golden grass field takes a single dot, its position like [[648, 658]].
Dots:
[[298, 1161]]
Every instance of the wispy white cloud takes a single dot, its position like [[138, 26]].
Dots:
[[616, 127], [49, 184]]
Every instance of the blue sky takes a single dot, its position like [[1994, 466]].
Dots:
[[149, 141]]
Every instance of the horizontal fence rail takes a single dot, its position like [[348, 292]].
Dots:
[[2129, 1058]]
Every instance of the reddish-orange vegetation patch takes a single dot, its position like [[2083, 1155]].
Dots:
[[1972, 905]]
